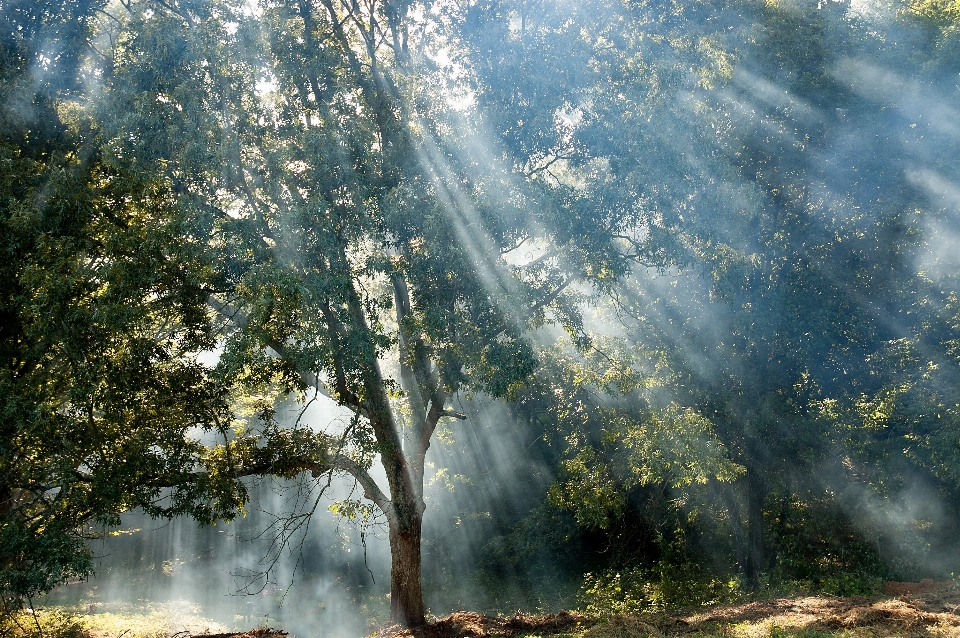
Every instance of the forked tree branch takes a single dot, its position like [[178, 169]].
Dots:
[[344, 396]]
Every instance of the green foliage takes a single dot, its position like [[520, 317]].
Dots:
[[99, 295], [335, 207], [773, 362], [103, 313], [941, 21], [588, 489], [673, 445]]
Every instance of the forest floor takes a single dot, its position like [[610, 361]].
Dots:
[[917, 611], [910, 610]]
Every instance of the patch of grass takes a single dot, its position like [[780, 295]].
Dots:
[[148, 620], [41, 623], [802, 632], [621, 627]]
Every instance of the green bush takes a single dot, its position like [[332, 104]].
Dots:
[[636, 590]]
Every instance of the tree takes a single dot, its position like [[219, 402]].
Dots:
[[374, 244]]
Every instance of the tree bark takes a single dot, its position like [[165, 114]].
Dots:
[[406, 594]]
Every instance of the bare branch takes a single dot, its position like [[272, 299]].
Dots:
[[504, 251], [545, 256]]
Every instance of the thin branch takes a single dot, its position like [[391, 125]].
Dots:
[[183, 14], [504, 251], [541, 258], [371, 490], [540, 169]]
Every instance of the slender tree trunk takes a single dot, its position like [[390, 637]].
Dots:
[[406, 593], [756, 548], [734, 494]]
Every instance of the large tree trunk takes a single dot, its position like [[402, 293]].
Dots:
[[406, 594]]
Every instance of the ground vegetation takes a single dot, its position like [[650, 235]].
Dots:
[[920, 609]]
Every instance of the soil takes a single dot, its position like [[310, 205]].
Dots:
[[922, 613], [261, 632], [466, 624]]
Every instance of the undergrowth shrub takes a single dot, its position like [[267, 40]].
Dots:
[[636, 590], [40, 624], [633, 591], [819, 549]]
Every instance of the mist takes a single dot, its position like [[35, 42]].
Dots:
[[324, 574]]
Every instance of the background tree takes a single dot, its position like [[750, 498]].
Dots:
[[100, 289], [809, 243]]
